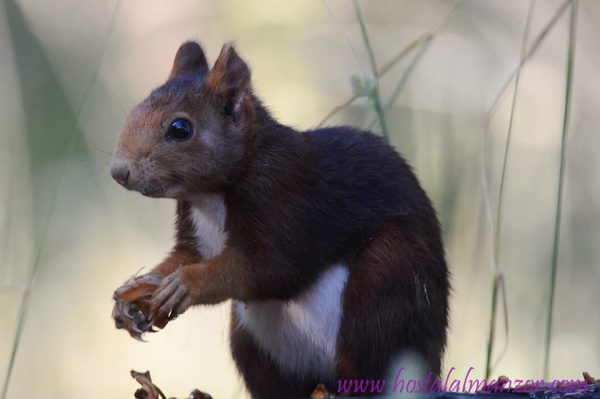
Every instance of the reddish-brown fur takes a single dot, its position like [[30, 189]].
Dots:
[[296, 204]]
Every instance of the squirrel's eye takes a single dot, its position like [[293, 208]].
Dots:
[[180, 130]]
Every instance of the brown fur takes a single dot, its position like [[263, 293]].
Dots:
[[296, 204]]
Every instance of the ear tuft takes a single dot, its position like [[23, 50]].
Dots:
[[190, 59], [229, 78]]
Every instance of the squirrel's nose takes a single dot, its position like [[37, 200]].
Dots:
[[120, 174]]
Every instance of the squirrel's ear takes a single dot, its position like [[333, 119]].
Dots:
[[229, 78], [189, 59]]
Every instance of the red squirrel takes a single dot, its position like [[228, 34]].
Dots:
[[328, 246]]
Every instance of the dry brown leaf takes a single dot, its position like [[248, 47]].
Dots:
[[197, 394], [589, 379], [148, 389], [151, 391], [321, 392]]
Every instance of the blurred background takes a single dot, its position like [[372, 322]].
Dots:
[[71, 71]]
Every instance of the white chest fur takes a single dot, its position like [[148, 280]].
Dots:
[[301, 334], [208, 214]]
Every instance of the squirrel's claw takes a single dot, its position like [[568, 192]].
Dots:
[[132, 304], [137, 334]]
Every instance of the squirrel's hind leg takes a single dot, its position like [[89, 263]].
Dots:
[[395, 304]]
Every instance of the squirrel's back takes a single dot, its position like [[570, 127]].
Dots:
[[329, 189]]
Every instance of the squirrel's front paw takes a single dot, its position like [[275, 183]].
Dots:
[[132, 305], [172, 298]]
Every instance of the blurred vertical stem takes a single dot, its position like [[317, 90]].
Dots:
[[424, 44], [380, 73], [376, 97], [402, 82], [561, 180], [24, 306], [422, 41], [498, 279]]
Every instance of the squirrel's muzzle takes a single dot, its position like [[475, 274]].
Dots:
[[120, 173]]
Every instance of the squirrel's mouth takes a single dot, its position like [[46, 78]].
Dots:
[[152, 191], [156, 190]]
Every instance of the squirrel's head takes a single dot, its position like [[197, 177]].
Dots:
[[189, 135]]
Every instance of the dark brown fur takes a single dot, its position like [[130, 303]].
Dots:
[[296, 204]]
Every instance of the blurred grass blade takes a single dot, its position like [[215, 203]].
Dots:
[[561, 180], [424, 46], [375, 97], [421, 41], [50, 120], [345, 36], [409, 70], [52, 137], [381, 72], [402, 82], [7, 229], [498, 278], [537, 41]]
